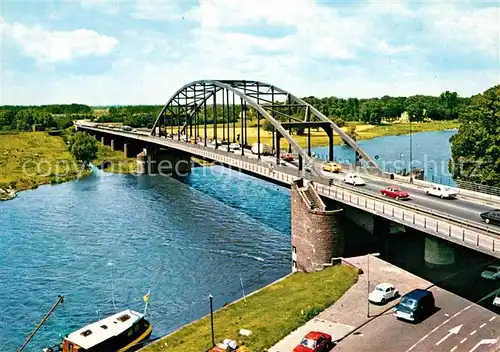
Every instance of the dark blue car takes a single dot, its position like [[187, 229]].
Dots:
[[415, 305]]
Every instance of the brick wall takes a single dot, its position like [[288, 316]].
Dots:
[[316, 236]]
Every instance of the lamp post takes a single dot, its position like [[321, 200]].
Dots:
[[368, 285], [210, 297], [411, 155]]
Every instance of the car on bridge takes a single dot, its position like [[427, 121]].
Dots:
[[492, 272], [354, 180], [496, 300], [315, 341], [395, 192], [332, 167], [287, 157], [441, 191], [492, 216]]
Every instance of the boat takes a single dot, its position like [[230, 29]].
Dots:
[[119, 332]]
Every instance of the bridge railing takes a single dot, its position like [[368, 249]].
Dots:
[[474, 235]]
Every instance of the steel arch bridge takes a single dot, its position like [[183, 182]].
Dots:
[[188, 112]]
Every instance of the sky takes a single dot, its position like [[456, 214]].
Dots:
[[107, 52]]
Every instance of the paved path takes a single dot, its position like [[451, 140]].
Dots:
[[475, 329]]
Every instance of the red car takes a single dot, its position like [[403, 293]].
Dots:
[[315, 342], [395, 192], [287, 157]]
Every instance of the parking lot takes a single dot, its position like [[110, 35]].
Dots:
[[456, 325]]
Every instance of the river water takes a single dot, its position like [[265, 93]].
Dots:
[[111, 238]]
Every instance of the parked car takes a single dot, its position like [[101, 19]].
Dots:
[[382, 293], [354, 180], [496, 300], [492, 216], [332, 167], [492, 272], [287, 157], [234, 146], [415, 305], [441, 191], [315, 341], [261, 148], [395, 192]]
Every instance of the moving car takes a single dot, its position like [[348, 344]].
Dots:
[[234, 146], [261, 148], [496, 300], [415, 305], [315, 341], [492, 272], [382, 293], [332, 167], [354, 180], [441, 191], [287, 157], [492, 216], [395, 192]]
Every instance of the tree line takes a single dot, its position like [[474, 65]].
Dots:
[[447, 106]]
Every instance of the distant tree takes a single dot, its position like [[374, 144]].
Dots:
[[450, 100], [339, 122], [476, 147], [83, 147]]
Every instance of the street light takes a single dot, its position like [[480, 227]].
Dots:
[[411, 156], [368, 279], [210, 297]]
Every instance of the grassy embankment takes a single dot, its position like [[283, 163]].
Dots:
[[31, 159], [270, 314], [319, 138]]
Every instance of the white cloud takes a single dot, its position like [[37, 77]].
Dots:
[[156, 10], [474, 28], [385, 48], [54, 46]]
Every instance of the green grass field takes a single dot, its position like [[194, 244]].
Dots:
[[270, 314], [30, 159]]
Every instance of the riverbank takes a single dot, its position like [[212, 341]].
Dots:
[[271, 313], [32, 159], [114, 161]]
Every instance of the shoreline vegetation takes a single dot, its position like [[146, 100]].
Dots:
[[32, 159], [270, 313]]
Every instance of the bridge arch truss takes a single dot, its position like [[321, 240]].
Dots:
[[186, 114]]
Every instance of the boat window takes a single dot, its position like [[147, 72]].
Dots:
[[86, 333], [124, 318], [136, 327], [104, 327], [130, 332]]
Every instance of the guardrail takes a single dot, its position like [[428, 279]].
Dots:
[[474, 235]]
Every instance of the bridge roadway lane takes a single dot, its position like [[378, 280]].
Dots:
[[478, 330]]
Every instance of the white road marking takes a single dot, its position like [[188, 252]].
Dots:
[[484, 342], [465, 339], [455, 331], [454, 348], [492, 318], [482, 325], [443, 323], [472, 333]]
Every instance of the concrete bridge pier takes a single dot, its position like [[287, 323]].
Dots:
[[316, 232], [438, 253]]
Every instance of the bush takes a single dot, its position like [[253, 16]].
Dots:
[[339, 122]]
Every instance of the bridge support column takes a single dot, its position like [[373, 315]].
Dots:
[[103, 140], [112, 142], [316, 233], [438, 253]]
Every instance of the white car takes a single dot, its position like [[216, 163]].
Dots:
[[383, 293], [354, 180], [496, 300], [234, 146], [441, 191]]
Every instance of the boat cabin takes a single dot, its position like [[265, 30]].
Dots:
[[118, 332]]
